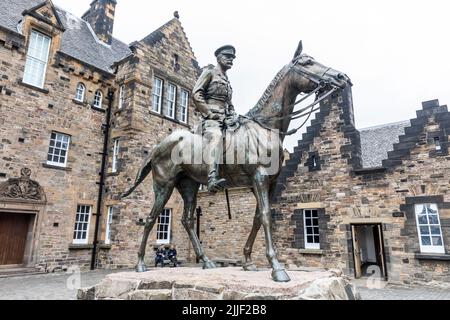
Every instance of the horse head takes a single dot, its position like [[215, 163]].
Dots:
[[316, 74]]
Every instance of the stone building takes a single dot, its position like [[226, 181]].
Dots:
[[374, 202], [79, 113]]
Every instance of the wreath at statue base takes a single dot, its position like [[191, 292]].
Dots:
[[221, 284]]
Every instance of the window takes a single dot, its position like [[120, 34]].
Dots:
[[121, 97], [184, 103], [98, 99], [58, 150], [437, 143], [108, 225], [312, 235], [163, 231], [81, 230], [171, 101], [115, 155], [79, 94], [429, 228], [157, 95], [37, 58]]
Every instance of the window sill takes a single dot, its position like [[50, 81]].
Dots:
[[33, 87], [49, 166], [81, 246], [170, 119], [89, 246], [98, 109], [80, 103], [311, 251], [432, 256]]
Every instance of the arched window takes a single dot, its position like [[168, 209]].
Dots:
[[79, 94], [98, 99]]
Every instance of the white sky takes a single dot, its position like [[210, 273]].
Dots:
[[396, 52]]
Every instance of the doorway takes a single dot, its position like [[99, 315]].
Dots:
[[368, 251], [14, 236]]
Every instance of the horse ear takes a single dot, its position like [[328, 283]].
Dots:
[[299, 50]]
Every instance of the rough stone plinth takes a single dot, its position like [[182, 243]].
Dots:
[[220, 284]]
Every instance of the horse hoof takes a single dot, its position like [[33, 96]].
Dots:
[[280, 276], [250, 267], [209, 265], [141, 268]]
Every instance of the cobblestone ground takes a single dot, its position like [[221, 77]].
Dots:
[[55, 286], [63, 286], [399, 293]]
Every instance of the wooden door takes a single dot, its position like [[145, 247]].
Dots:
[[381, 252], [13, 237], [356, 253]]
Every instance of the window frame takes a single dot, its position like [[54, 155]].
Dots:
[[75, 228], [109, 220], [98, 102], [309, 245], [184, 107], [162, 232], [159, 95], [27, 79], [115, 159], [172, 102], [431, 248], [58, 164], [83, 95]]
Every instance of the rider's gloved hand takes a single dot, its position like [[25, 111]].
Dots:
[[213, 116]]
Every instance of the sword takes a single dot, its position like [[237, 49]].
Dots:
[[224, 134]]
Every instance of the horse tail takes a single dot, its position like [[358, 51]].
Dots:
[[140, 177], [167, 144]]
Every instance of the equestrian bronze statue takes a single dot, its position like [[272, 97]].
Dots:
[[174, 162]]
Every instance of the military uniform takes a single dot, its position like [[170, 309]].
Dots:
[[212, 95]]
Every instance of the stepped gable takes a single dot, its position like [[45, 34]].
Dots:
[[415, 134], [352, 151]]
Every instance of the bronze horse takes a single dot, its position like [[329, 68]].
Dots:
[[273, 113]]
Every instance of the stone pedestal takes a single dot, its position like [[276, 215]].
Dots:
[[220, 284]]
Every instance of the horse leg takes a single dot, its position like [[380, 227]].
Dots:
[[162, 195], [249, 265], [188, 189], [248, 249], [261, 191]]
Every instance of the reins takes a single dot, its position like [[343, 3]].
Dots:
[[321, 84]]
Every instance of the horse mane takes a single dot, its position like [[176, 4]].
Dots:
[[269, 91]]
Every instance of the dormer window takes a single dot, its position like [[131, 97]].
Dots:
[[98, 99], [437, 143], [37, 59], [79, 94]]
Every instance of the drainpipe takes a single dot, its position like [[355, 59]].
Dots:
[[105, 127]]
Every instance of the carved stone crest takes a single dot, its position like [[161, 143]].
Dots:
[[22, 188]]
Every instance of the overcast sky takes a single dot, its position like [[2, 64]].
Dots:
[[396, 52]]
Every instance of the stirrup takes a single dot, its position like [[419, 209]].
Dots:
[[216, 185]]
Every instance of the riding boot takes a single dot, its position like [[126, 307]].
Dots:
[[215, 183]]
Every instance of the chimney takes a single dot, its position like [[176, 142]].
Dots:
[[101, 18]]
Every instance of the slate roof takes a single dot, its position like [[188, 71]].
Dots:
[[78, 41], [377, 141]]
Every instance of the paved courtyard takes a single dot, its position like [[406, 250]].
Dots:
[[63, 286]]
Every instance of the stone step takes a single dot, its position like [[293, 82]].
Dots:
[[19, 272]]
